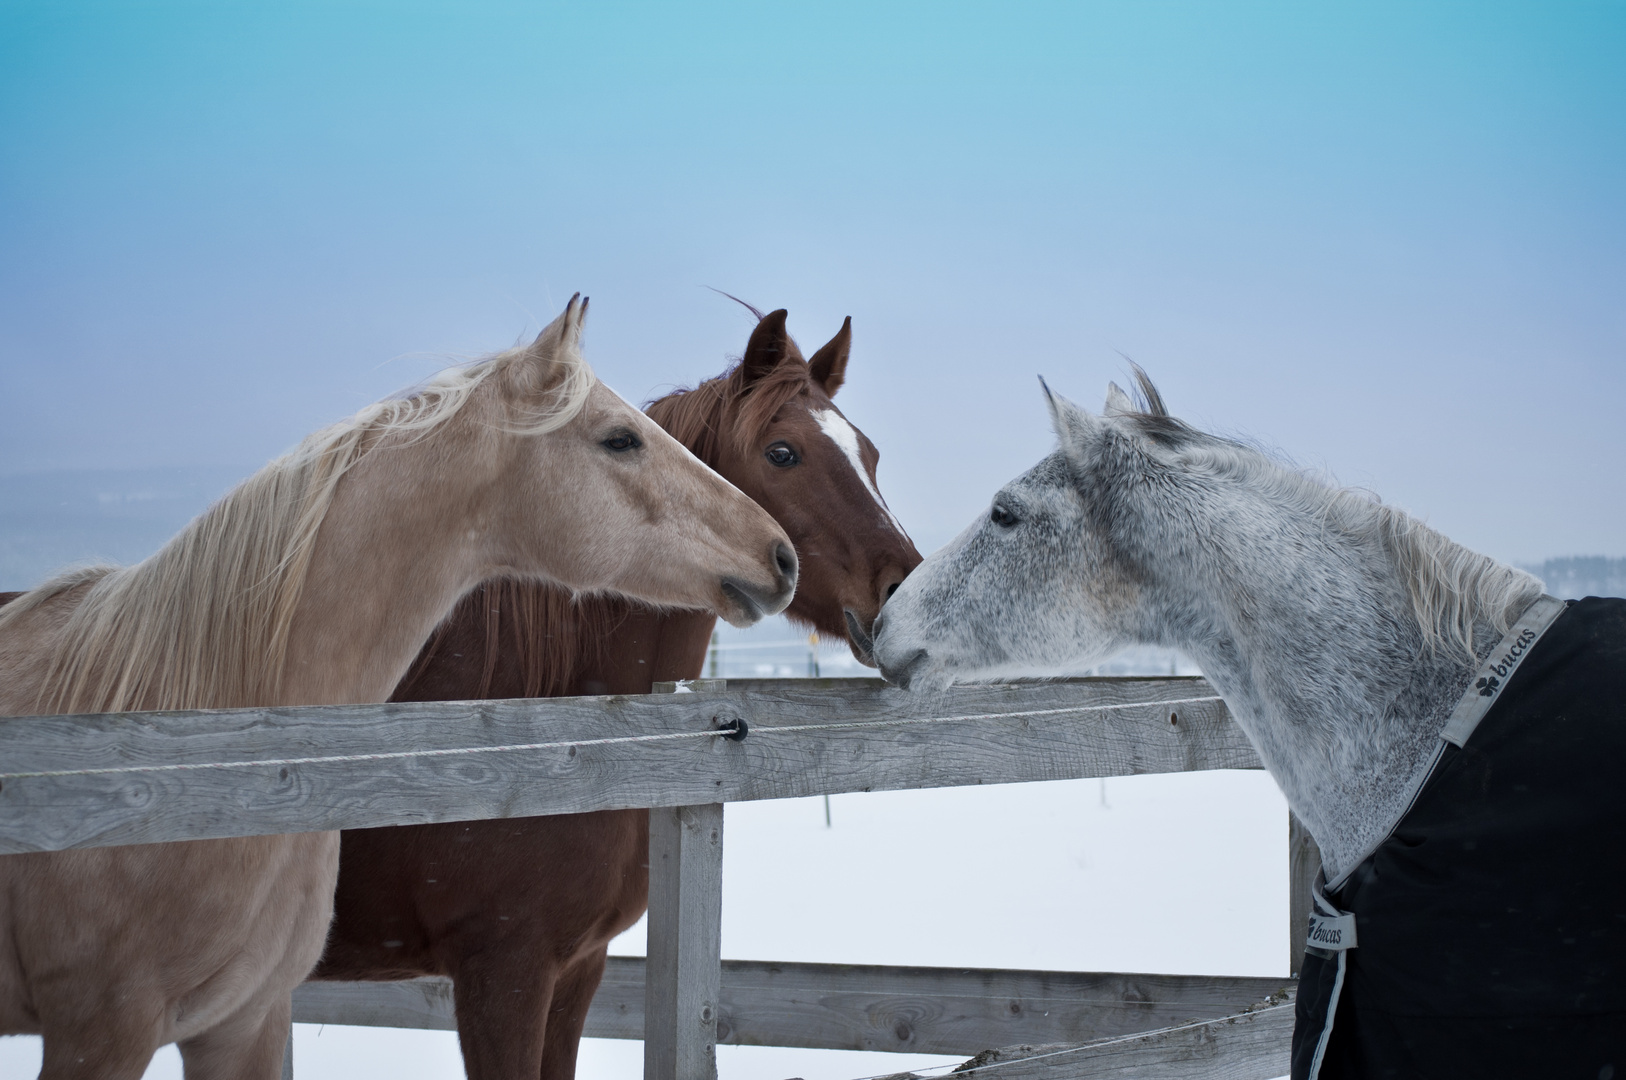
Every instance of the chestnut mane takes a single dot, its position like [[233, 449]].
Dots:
[[554, 635], [698, 418]]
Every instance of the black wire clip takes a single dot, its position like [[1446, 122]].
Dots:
[[738, 731]]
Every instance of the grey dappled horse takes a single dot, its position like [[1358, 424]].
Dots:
[[1358, 649]]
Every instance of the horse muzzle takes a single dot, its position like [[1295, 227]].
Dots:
[[749, 601], [859, 638]]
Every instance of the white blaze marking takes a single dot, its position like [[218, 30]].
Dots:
[[834, 425]]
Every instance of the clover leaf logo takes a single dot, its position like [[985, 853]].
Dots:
[[1488, 686]]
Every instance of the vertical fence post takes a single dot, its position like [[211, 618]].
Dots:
[[1303, 863], [684, 971], [288, 1056]]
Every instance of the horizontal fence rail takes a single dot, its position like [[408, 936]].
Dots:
[[853, 1006], [129, 778], [109, 779], [1252, 1045]]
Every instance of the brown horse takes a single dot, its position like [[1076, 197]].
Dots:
[[519, 912], [317, 581]]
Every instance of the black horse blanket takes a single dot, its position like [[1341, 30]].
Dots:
[[1490, 927]]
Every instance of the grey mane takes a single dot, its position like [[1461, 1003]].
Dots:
[[1456, 594], [1340, 630]]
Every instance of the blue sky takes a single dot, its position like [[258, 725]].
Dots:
[[1389, 240]]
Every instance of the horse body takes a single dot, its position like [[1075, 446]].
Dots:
[[292, 591], [519, 912]]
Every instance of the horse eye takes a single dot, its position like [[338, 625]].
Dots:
[[1002, 517], [782, 456], [620, 441]]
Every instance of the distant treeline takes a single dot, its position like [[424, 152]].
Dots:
[[1582, 575]]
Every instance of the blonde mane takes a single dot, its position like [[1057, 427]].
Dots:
[[204, 621]]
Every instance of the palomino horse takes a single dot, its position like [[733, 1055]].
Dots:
[[1359, 650], [519, 912], [316, 582]]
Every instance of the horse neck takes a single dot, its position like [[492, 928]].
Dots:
[[643, 646], [510, 638], [390, 561], [1310, 637], [544, 643]]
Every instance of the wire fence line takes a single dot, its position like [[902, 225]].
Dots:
[[738, 730]]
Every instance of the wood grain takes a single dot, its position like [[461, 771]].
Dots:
[[297, 769], [852, 1006], [684, 969], [1254, 1046], [1303, 864], [418, 1004]]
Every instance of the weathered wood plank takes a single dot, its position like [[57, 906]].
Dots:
[[417, 1004], [959, 1011], [1303, 864], [853, 1007], [1253, 1046], [684, 970], [255, 771]]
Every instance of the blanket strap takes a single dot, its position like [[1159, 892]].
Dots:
[[1498, 668]]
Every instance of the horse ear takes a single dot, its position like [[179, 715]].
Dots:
[[563, 332], [1118, 403], [828, 367], [533, 371], [768, 347], [1073, 425]]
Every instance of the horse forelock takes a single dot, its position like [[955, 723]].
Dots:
[[728, 406]]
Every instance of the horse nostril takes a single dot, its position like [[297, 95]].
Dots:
[[785, 559], [892, 588], [903, 673]]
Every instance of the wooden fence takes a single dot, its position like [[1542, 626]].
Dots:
[[107, 779]]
